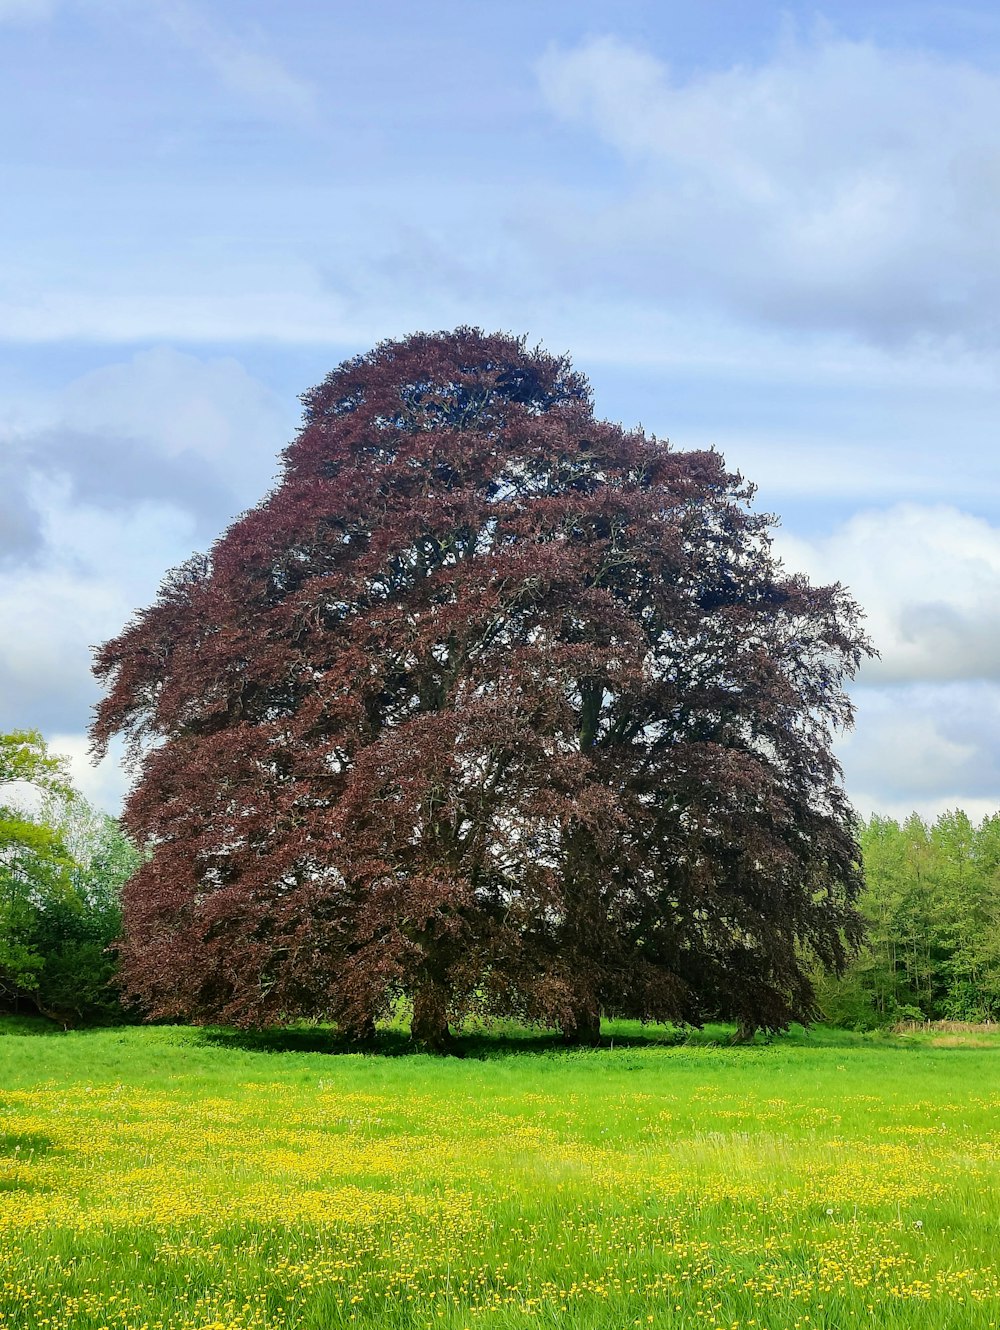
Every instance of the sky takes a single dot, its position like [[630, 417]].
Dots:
[[771, 229]]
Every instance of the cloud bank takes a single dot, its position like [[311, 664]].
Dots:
[[143, 462], [838, 186], [928, 712], [928, 578], [165, 428]]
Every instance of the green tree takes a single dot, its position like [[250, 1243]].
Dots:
[[886, 905], [968, 902], [62, 867], [987, 940], [932, 908], [76, 935], [34, 862]]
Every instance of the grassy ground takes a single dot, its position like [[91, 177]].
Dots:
[[195, 1180]]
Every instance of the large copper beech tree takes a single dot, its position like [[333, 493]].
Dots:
[[492, 706]]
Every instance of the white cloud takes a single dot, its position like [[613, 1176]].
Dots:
[[808, 466], [95, 572], [104, 784], [929, 808], [838, 185], [279, 302], [905, 750], [242, 66], [927, 736], [163, 427], [139, 464], [925, 748], [180, 403], [928, 578]]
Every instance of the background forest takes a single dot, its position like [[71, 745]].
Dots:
[[932, 906]]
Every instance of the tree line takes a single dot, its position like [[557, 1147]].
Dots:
[[930, 906]]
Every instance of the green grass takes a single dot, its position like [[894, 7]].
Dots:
[[188, 1179]]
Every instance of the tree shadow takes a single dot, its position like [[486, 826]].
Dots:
[[292, 1039], [482, 1043], [477, 1044], [13, 1023], [18, 1026]]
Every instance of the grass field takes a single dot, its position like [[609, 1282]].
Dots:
[[195, 1180]]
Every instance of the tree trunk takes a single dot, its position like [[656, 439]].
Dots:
[[745, 1032], [583, 1025], [429, 1026]]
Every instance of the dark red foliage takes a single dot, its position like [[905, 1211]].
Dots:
[[491, 705]]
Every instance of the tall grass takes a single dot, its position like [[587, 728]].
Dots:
[[187, 1180]]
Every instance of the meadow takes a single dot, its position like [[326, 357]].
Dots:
[[177, 1179]]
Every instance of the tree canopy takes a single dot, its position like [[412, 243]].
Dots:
[[493, 706]]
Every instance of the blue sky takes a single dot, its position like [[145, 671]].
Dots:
[[769, 228]]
